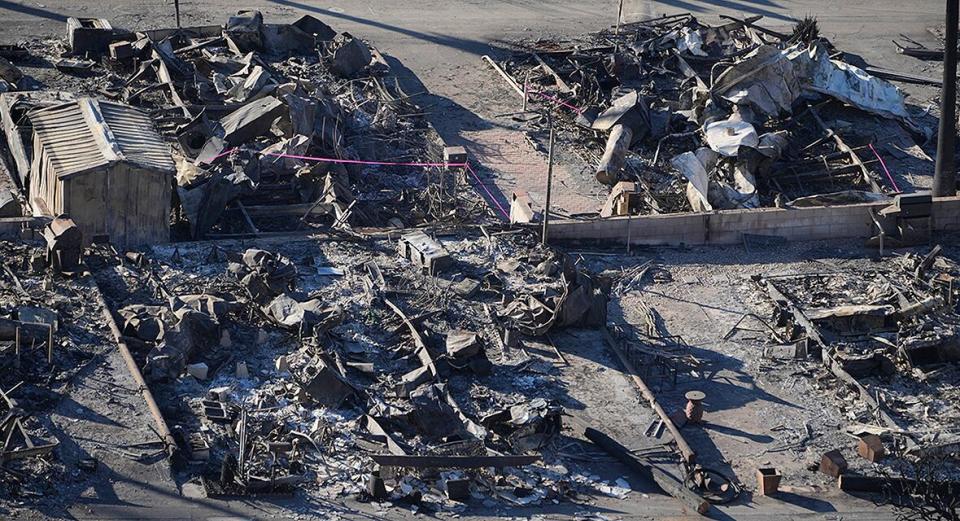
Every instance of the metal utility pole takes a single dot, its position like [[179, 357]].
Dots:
[[945, 177], [176, 7], [546, 209]]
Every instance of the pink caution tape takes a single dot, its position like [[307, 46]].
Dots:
[[385, 163], [559, 101], [489, 194], [884, 165], [360, 162]]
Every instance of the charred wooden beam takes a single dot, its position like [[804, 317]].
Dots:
[[906, 486], [503, 73], [29, 332], [845, 148], [560, 83], [614, 155], [903, 77], [813, 332], [650, 472]]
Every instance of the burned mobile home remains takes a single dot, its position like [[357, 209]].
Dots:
[[252, 235]]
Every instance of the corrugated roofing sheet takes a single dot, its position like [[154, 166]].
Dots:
[[87, 134]]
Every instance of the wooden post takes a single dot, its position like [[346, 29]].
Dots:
[[619, 16], [526, 90], [546, 209], [50, 344]]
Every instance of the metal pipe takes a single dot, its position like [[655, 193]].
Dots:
[[687, 452], [161, 424], [945, 176]]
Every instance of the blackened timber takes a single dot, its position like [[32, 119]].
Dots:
[[903, 77], [837, 369], [844, 148], [650, 472], [749, 22], [560, 83], [503, 73], [458, 462], [29, 332], [856, 483], [813, 332]]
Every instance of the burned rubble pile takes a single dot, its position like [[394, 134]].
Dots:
[[677, 115], [274, 127], [47, 338], [889, 336], [388, 370]]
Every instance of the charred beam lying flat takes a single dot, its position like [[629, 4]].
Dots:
[[856, 483], [504, 74], [845, 148], [29, 332], [651, 472], [903, 77], [460, 462], [812, 330]]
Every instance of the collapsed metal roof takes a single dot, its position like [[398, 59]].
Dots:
[[88, 134]]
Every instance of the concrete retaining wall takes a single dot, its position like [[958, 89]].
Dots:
[[728, 226]]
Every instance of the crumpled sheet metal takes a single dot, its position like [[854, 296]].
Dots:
[[765, 80], [695, 166], [770, 80], [725, 137], [855, 87]]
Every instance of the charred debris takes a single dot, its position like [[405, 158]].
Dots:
[[384, 357], [675, 115], [349, 369], [890, 337], [249, 109], [384, 362]]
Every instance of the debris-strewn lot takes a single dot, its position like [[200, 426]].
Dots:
[[677, 115], [274, 127], [243, 274]]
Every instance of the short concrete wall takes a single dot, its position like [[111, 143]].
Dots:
[[729, 226]]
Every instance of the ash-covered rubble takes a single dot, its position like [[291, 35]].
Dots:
[[677, 115], [273, 127], [345, 368], [50, 336], [888, 336]]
